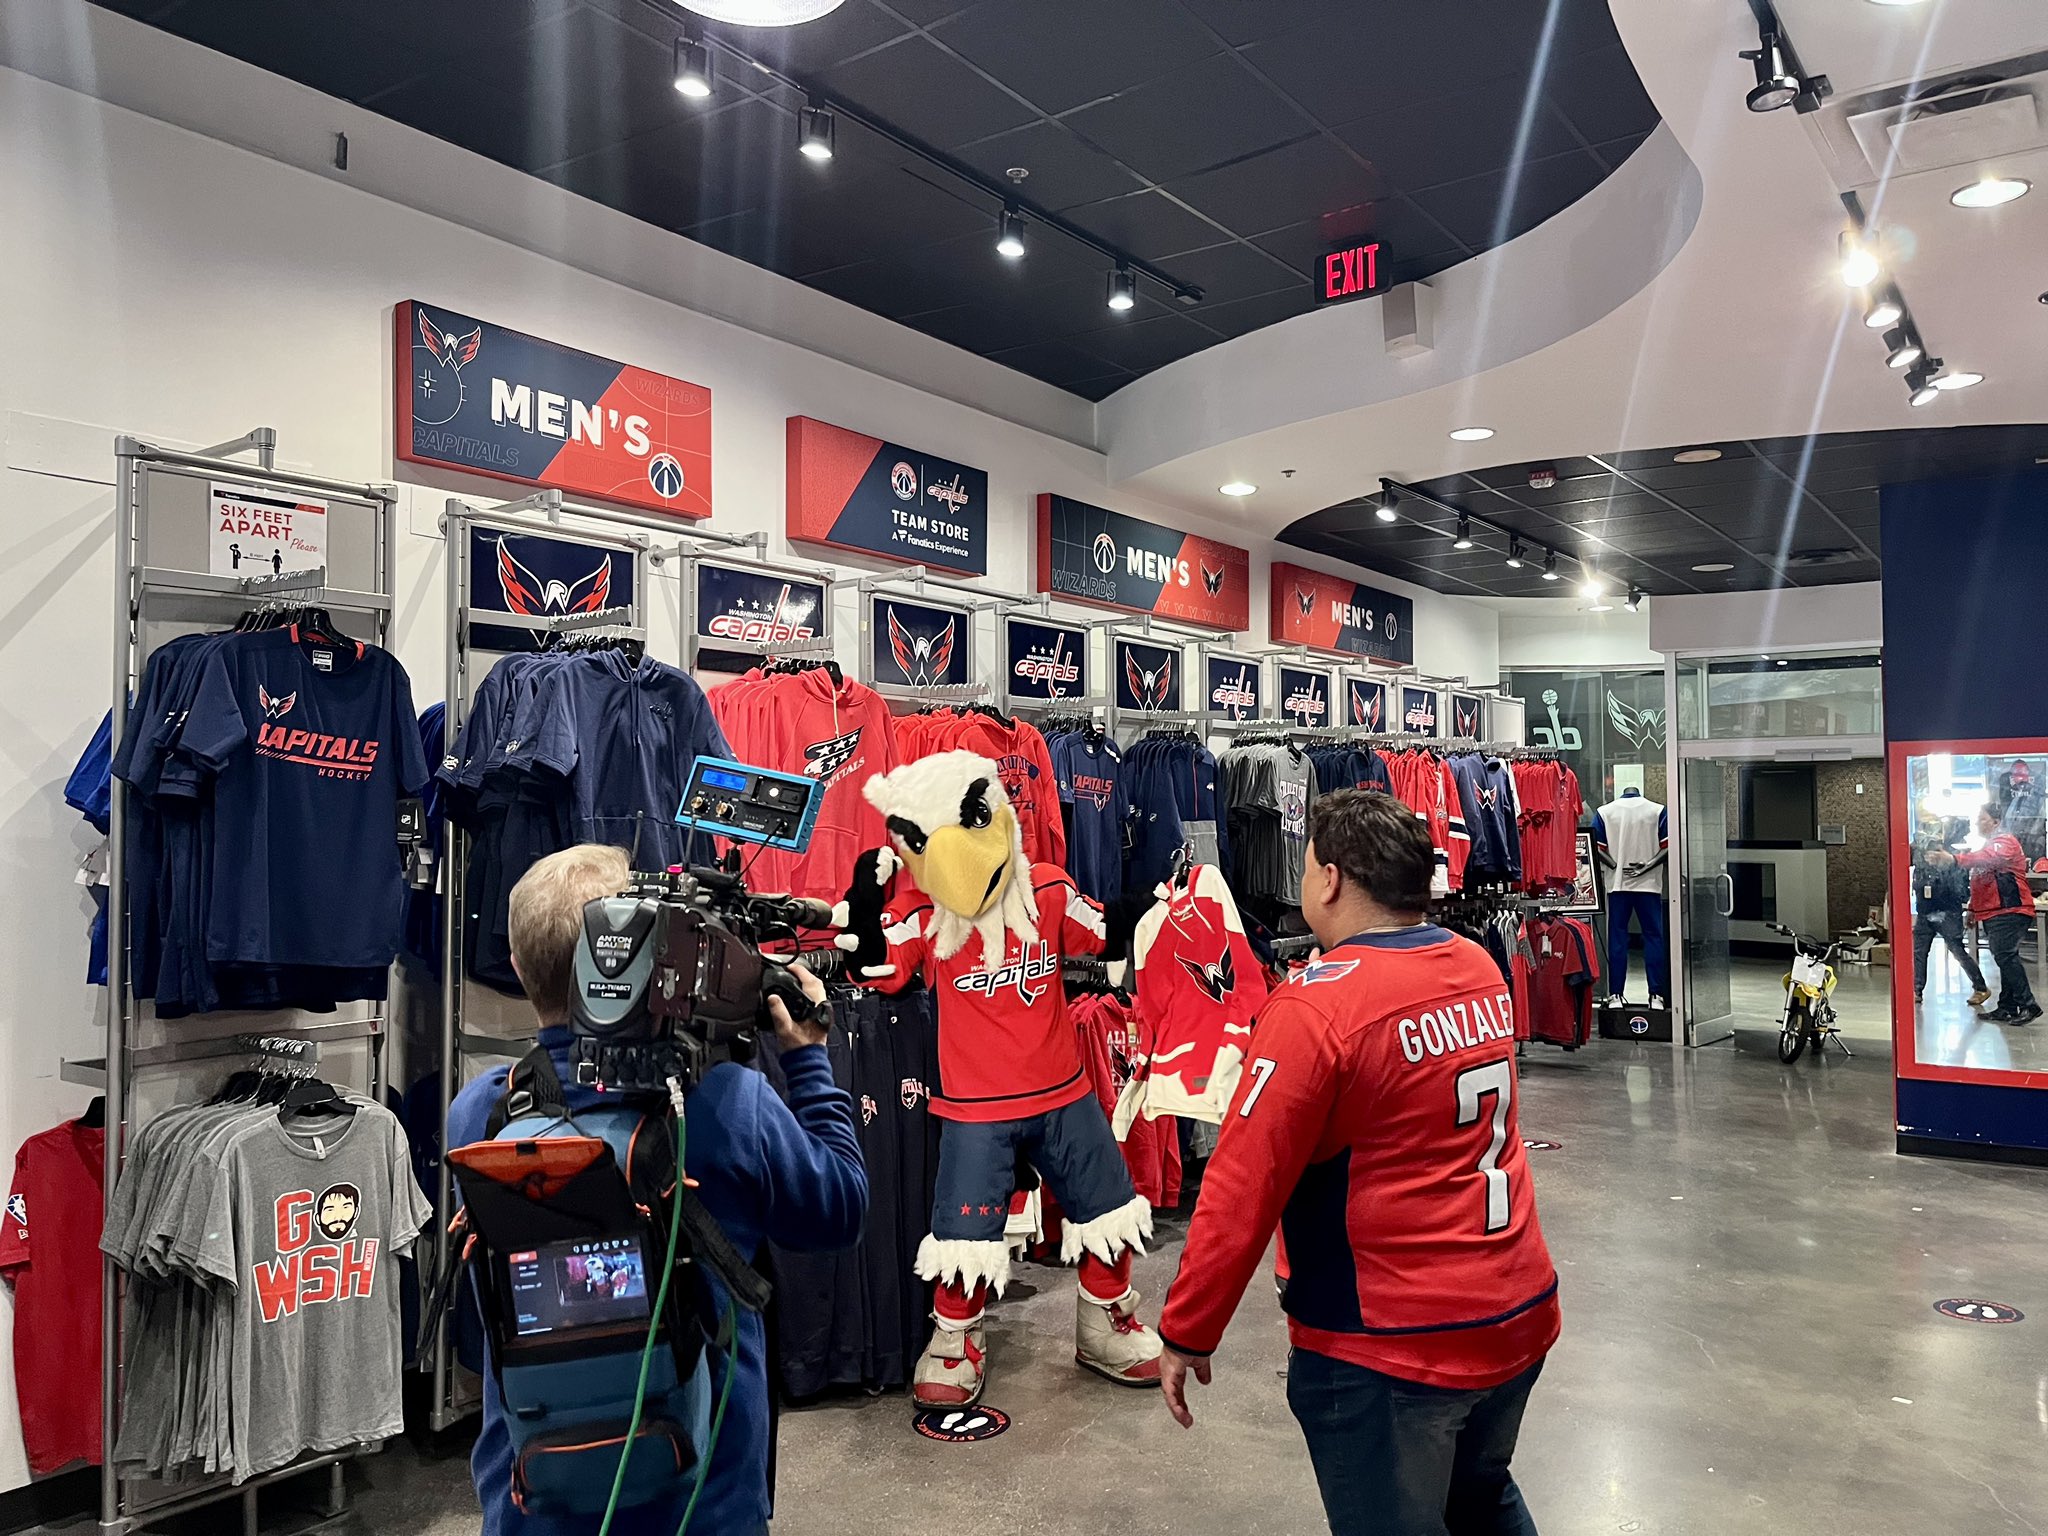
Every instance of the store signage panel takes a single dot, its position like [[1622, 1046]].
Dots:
[[1418, 711], [1352, 273], [1365, 704], [755, 610], [1305, 695], [1148, 677], [1044, 661], [1230, 686], [1097, 556], [1333, 613], [540, 578], [919, 645], [1468, 715], [857, 492], [492, 401]]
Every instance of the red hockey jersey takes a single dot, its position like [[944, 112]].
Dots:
[[1199, 985], [1376, 1122], [1007, 1048]]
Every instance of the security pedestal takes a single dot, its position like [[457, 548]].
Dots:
[[1633, 1021]]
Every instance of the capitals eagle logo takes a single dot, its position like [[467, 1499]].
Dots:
[[1216, 978], [527, 593], [450, 350], [924, 659], [275, 708], [1149, 688], [1213, 580]]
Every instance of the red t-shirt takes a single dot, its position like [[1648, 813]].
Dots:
[[57, 1194], [1007, 1047], [1376, 1122]]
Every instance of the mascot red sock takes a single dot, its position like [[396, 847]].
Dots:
[[987, 931]]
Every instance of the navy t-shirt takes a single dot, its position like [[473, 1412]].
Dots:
[[310, 746], [1091, 781]]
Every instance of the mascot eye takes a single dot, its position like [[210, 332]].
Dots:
[[911, 834], [974, 807]]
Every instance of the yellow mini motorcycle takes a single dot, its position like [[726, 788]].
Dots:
[[1809, 1016]]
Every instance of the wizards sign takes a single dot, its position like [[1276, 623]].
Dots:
[[491, 401], [857, 492], [1331, 613], [1106, 558], [1044, 661], [915, 645], [540, 578]]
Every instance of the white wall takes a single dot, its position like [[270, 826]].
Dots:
[[173, 287], [1844, 617], [1545, 632]]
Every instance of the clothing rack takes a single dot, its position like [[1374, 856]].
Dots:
[[161, 502], [541, 516]]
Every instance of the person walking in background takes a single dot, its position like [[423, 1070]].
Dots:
[[2003, 903], [1941, 893]]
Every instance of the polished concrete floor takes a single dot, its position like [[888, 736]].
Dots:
[[1750, 1346]]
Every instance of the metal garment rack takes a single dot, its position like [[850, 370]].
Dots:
[[197, 598]]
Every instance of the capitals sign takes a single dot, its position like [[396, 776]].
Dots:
[[1044, 661], [1305, 695], [1231, 685], [1333, 613], [856, 492], [757, 611], [1116, 561], [488, 400]]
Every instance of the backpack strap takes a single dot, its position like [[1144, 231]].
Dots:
[[532, 1087], [746, 1285]]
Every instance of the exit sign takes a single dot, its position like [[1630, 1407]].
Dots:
[[1352, 273]]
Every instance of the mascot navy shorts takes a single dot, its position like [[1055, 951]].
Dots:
[[1072, 1148]]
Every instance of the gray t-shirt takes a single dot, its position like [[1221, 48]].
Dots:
[[1294, 791], [306, 1224]]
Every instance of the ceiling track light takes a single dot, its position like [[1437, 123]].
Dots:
[[1956, 378], [1901, 350], [1885, 309], [816, 129], [1777, 82], [1464, 538], [1592, 586], [1859, 262], [693, 68], [1514, 554], [1550, 566], [1385, 510], [1920, 388], [1010, 235], [1123, 289], [1634, 600]]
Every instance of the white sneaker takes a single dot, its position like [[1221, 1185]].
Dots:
[[1656, 1001], [1616, 1000]]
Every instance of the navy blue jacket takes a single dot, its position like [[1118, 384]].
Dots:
[[789, 1174]]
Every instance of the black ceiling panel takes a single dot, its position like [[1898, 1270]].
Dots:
[[1655, 520], [1231, 143]]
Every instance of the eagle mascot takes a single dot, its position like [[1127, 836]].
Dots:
[[986, 930]]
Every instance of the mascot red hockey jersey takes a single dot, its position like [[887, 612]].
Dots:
[[986, 930]]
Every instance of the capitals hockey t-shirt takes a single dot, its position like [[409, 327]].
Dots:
[[310, 746], [1090, 774]]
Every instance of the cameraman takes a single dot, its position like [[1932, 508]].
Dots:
[[789, 1174]]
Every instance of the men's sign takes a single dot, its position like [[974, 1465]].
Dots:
[[1468, 715], [857, 492], [1230, 686], [1148, 677], [1114, 561], [753, 610], [540, 578], [1333, 613], [1044, 661], [1305, 695], [492, 401], [1418, 711], [1365, 704], [919, 645]]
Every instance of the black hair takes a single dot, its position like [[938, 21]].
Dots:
[[1377, 844]]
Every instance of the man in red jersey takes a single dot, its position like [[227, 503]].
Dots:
[[1375, 1122], [2003, 903]]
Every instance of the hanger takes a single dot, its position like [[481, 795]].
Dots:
[[311, 1096], [95, 1115]]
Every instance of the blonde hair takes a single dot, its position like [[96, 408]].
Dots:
[[547, 919]]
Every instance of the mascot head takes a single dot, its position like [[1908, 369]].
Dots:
[[952, 824]]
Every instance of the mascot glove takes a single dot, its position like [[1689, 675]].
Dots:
[[859, 915]]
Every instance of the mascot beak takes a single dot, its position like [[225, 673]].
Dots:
[[963, 869]]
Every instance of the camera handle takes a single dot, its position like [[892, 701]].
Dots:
[[776, 981]]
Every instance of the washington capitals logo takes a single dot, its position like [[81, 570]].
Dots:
[[526, 593], [1306, 702], [1213, 580], [1365, 706], [1465, 717], [1051, 668], [1216, 978], [924, 659], [1150, 688], [450, 350], [275, 708], [1325, 970], [1305, 601], [1237, 695], [1025, 975], [823, 760], [765, 624]]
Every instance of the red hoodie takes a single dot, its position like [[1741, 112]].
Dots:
[[1998, 878]]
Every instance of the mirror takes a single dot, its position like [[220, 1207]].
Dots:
[[1976, 869]]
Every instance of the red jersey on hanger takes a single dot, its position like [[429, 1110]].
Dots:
[[50, 1253]]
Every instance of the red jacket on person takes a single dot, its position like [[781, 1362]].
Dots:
[[1998, 878]]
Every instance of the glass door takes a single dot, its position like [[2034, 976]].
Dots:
[[1709, 897]]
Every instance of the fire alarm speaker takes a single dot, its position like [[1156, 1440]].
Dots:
[[1542, 477]]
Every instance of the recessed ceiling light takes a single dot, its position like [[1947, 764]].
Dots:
[[1695, 455], [1471, 434], [1784, 663], [1895, 2], [1991, 192], [1237, 487], [1599, 605], [1961, 378], [1714, 566]]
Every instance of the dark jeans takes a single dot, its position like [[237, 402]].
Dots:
[[1948, 927], [1396, 1458], [2003, 935]]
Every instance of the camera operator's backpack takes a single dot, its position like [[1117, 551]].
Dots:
[[564, 1231]]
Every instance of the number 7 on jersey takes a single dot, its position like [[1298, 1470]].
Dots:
[[1498, 1079]]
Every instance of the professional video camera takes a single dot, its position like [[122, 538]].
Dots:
[[670, 975]]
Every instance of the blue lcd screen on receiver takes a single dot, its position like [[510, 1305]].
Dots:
[[718, 778]]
